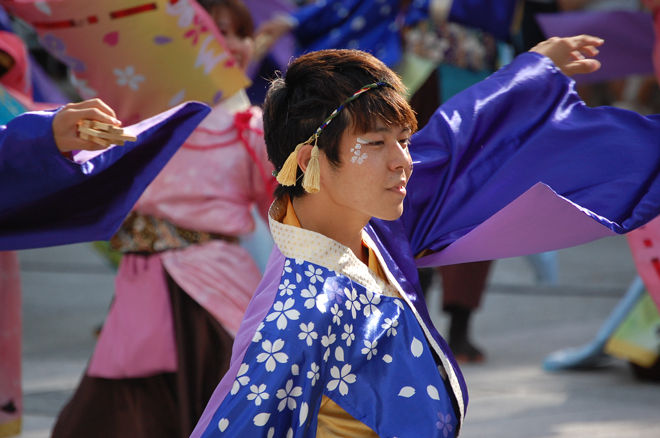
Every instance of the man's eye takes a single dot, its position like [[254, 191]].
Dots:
[[404, 143]]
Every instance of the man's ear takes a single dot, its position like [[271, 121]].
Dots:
[[303, 156]]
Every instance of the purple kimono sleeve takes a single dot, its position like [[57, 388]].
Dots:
[[524, 125], [49, 200]]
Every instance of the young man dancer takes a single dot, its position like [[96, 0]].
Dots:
[[337, 340]]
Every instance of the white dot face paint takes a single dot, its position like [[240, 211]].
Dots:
[[358, 155]]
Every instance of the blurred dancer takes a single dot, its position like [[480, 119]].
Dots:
[[184, 281], [467, 56]]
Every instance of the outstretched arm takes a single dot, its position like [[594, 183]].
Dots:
[[51, 200], [523, 125]]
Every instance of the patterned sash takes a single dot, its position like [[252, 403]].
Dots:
[[148, 234]]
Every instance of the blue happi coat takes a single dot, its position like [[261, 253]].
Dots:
[[336, 329], [481, 150]]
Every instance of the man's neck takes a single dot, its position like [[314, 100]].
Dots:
[[320, 215]]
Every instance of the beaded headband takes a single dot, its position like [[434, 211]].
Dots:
[[312, 180]]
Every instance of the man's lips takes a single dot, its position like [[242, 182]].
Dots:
[[399, 188]]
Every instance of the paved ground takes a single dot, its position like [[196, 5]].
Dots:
[[67, 291]]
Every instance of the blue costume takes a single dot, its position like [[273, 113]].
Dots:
[[480, 151], [374, 25], [50, 200]]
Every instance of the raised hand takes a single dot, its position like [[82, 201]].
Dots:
[[571, 54]]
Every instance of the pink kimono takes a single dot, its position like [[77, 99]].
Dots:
[[210, 185]]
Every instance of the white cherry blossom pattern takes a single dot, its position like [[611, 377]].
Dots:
[[370, 301], [222, 424], [352, 303], [261, 419], [390, 326], [398, 303], [407, 392], [302, 416], [258, 394], [295, 369], [432, 391], [257, 335], [128, 76], [314, 275], [327, 341], [416, 347], [283, 312], [370, 349], [339, 354], [241, 379], [314, 298], [341, 379], [287, 395], [287, 266], [337, 314], [358, 156], [314, 373], [272, 354], [299, 261], [307, 334], [286, 288], [348, 334]]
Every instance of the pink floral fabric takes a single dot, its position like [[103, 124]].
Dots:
[[210, 185]]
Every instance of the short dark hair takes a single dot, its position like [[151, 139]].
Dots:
[[314, 86], [244, 26]]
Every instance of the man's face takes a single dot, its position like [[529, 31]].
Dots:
[[372, 178]]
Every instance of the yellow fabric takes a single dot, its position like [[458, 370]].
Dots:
[[333, 421], [290, 218], [10, 428]]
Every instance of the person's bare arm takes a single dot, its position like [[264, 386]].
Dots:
[[571, 54], [66, 121]]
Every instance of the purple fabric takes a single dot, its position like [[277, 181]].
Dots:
[[526, 124], [259, 306], [400, 260], [55, 201], [539, 220], [628, 35]]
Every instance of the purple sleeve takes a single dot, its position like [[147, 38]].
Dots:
[[49, 200], [523, 125]]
